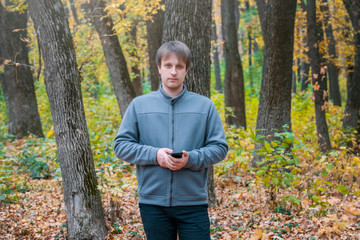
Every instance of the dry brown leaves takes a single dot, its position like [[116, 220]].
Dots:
[[242, 214]]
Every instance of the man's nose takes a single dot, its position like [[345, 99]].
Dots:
[[173, 71]]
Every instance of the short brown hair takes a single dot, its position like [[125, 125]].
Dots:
[[179, 48]]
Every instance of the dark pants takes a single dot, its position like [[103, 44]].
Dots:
[[163, 223]]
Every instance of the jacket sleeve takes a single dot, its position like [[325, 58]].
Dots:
[[126, 142], [215, 146]]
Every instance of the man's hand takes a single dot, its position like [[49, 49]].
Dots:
[[162, 157], [167, 161], [178, 163]]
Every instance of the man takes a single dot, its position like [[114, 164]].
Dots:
[[172, 191]]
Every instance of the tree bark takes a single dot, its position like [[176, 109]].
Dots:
[[119, 74], [18, 83], [84, 212], [182, 23], [305, 66], [351, 119], [249, 31], [277, 20], [215, 55], [154, 28], [332, 68], [135, 68], [319, 80], [234, 77]]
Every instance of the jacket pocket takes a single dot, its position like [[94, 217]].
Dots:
[[152, 180], [190, 184]]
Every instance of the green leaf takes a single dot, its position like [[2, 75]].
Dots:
[[320, 189], [276, 181], [274, 144], [294, 200], [268, 148], [287, 183], [260, 173], [315, 198], [342, 189], [296, 160]]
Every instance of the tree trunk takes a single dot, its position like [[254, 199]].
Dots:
[[304, 75], [154, 28], [319, 81], [332, 68], [84, 213], [119, 74], [305, 66], [351, 119], [293, 82], [135, 68], [216, 62], [234, 77], [18, 81], [73, 10], [182, 23], [3, 87], [249, 31], [277, 20]]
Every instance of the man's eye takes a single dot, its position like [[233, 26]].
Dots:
[[168, 66], [179, 67]]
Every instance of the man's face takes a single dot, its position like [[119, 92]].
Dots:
[[172, 71]]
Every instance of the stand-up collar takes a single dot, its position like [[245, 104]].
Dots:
[[171, 100]]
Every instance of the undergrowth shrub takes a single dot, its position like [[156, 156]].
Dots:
[[29, 164], [279, 166]]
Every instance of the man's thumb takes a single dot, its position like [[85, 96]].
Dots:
[[168, 150]]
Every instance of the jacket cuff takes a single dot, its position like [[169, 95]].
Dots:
[[190, 162], [153, 155]]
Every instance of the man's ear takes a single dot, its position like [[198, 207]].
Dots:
[[159, 68]]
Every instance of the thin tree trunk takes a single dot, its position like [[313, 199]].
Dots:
[[182, 23], [234, 77], [304, 75], [249, 31], [119, 74], [332, 68], [154, 28], [135, 68], [319, 80], [84, 212], [73, 10], [305, 65], [3, 87], [351, 119], [18, 82], [277, 20], [218, 84], [293, 82]]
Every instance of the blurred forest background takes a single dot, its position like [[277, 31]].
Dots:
[[283, 74]]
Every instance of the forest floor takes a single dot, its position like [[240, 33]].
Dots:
[[242, 213]]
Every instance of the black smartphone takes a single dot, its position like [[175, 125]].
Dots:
[[176, 154]]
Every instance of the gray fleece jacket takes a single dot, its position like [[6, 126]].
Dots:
[[187, 122]]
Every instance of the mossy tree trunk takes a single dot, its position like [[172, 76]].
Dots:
[[84, 212]]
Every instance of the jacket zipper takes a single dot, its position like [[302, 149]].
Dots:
[[172, 146]]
